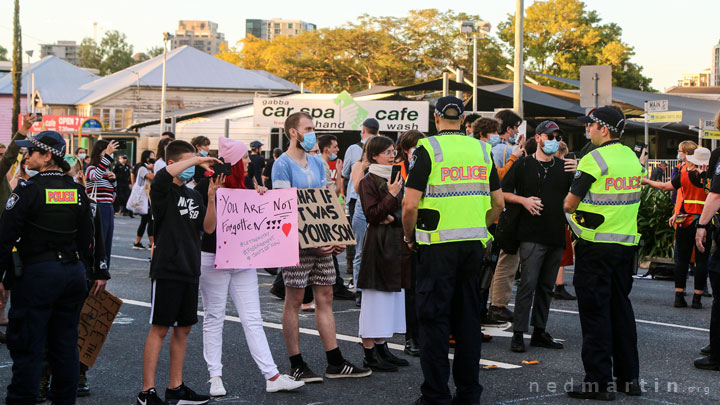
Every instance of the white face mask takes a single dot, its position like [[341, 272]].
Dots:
[[81, 156]]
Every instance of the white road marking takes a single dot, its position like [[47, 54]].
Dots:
[[314, 332]]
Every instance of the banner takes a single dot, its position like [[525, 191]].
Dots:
[[256, 231], [96, 318], [65, 124], [321, 219], [343, 112]]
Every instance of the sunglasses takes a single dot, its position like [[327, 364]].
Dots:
[[553, 136]]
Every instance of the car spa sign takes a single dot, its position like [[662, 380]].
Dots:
[[343, 112]]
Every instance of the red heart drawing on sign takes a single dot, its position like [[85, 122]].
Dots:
[[286, 229]]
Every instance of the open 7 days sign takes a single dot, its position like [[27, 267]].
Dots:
[[343, 112]]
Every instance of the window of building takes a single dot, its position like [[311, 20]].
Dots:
[[290, 25], [277, 31], [276, 25], [113, 118]]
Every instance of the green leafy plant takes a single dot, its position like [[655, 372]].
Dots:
[[658, 237]]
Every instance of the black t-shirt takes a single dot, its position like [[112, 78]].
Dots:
[[715, 185], [267, 172], [255, 168], [550, 182], [122, 173]]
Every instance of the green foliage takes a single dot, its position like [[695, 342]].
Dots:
[[3, 53], [373, 51], [154, 51], [113, 53], [562, 35], [658, 237]]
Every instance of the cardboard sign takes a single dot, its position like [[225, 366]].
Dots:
[[96, 318], [321, 219], [256, 230]]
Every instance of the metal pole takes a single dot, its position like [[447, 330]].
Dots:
[[227, 128], [27, 90], [446, 83], [519, 70], [475, 103], [32, 93], [700, 131], [596, 79], [164, 85], [647, 134], [459, 79]]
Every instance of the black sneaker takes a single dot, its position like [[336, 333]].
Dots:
[[138, 246], [561, 293], [83, 389], [149, 397], [501, 314], [343, 293], [305, 374], [183, 395], [346, 370]]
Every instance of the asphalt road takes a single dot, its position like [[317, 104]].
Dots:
[[669, 339]]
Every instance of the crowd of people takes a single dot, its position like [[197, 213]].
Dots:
[[444, 227]]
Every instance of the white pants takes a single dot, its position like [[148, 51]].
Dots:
[[243, 287]]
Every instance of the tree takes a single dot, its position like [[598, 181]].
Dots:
[[113, 53], [116, 52], [562, 35], [154, 51], [3, 53], [16, 69], [375, 51]]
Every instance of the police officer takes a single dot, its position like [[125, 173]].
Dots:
[[604, 198], [50, 216], [452, 194]]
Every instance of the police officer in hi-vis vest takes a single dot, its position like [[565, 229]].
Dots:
[[602, 209], [50, 216], [452, 194]]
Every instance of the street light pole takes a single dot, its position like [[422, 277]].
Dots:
[[519, 69], [28, 94], [166, 38], [474, 96]]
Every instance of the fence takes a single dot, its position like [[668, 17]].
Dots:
[[671, 163]]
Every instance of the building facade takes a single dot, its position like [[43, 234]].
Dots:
[[700, 79], [68, 51], [715, 66], [201, 35], [269, 29]]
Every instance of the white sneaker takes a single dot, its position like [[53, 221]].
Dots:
[[216, 387], [283, 383]]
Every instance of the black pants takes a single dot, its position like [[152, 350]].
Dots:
[[714, 272], [146, 221], [122, 194], [411, 318], [685, 243], [603, 280], [46, 304], [449, 301]]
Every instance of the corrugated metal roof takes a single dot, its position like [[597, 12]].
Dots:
[[186, 67], [56, 80]]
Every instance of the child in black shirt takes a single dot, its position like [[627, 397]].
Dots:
[[179, 213]]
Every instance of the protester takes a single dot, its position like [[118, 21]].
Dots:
[[358, 222], [407, 145], [508, 132], [295, 168], [560, 291], [604, 254], [202, 148], [179, 213], [451, 251], [160, 162], [141, 199], [267, 171], [486, 130], [241, 284], [2, 149], [703, 238], [468, 122], [658, 173], [692, 181], [539, 183], [122, 172], [382, 276], [257, 162], [101, 188], [353, 154], [81, 153], [52, 238], [168, 135]]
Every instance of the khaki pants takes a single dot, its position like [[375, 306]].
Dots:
[[501, 286]]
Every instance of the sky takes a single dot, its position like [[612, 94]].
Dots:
[[670, 37]]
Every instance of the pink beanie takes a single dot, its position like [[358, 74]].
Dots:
[[231, 150]]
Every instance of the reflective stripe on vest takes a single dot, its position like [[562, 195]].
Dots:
[[694, 202], [612, 199], [436, 149], [456, 190], [450, 234], [591, 235], [600, 162]]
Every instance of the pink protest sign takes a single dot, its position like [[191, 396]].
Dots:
[[256, 230]]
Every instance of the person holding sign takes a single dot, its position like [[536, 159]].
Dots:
[[383, 277], [242, 284], [451, 196], [295, 168]]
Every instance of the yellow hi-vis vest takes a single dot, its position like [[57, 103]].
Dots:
[[458, 189], [615, 195]]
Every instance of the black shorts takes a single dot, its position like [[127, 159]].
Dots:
[[174, 303]]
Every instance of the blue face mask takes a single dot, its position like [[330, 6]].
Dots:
[[513, 139], [187, 174], [203, 153], [494, 139], [679, 157], [309, 142], [332, 157], [31, 172], [551, 147]]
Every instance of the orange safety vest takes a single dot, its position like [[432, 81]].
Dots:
[[693, 196]]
